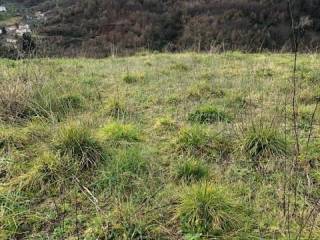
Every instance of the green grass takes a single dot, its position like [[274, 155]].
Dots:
[[77, 142], [211, 211], [208, 114], [199, 147], [191, 170]]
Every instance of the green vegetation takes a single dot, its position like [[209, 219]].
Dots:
[[264, 142], [190, 170], [79, 144], [202, 148], [211, 211], [208, 114]]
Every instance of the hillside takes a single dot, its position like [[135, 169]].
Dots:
[[159, 146], [104, 27]]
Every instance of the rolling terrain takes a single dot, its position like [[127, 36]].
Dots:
[[99, 28], [160, 146]]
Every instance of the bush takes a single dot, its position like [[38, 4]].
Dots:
[[119, 133], [264, 142], [210, 211], [208, 114], [190, 170], [78, 142]]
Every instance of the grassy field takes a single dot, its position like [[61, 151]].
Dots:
[[159, 146]]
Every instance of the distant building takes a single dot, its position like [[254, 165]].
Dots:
[[11, 28], [23, 29], [3, 9], [11, 40], [39, 15]]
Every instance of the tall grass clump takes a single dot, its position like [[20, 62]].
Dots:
[[133, 78], [15, 96], [117, 109], [194, 140], [127, 166], [118, 133], [264, 142], [45, 172], [191, 170], [199, 141], [54, 105], [209, 114], [211, 211], [78, 142]]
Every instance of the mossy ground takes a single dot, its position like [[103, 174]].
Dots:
[[134, 192]]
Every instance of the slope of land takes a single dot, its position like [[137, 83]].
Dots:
[[185, 146], [102, 27]]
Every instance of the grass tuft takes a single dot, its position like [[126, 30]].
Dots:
[[191, 170], [194, 140], [210, 210], [133, 78], [119, 133], [78, 142], [264, 142], [208, 114], [117, 109]]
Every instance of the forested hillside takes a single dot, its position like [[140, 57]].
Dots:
[[100, 27]]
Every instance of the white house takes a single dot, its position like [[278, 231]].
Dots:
[[39, 15], [3, 9], [12, 41], [23, 29], [11, 28]]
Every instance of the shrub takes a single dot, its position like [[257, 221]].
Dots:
[[208, 114], [264, 142], [78, 142], [190, 170], [210, 210], [119, 133]]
